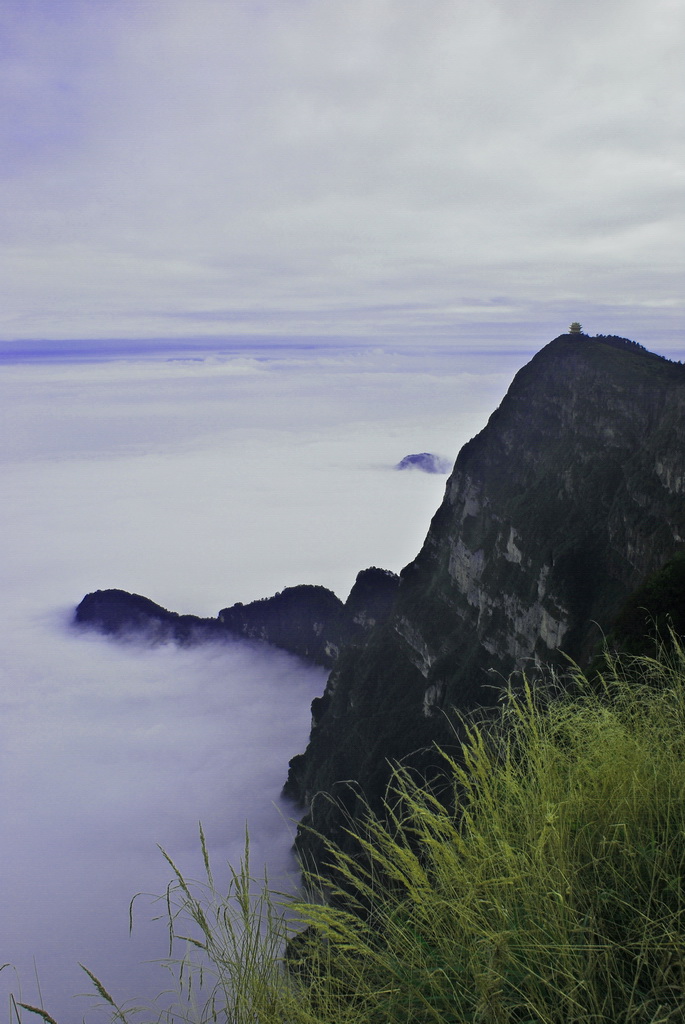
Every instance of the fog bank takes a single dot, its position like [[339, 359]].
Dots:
[[197, 482]]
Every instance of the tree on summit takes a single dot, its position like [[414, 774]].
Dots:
[[575, 328]]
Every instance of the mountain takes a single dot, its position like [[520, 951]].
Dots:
[[312, 621], [120, 614], [309, 621], [562, 506]]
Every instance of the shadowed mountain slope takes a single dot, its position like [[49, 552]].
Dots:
[[554, 514]]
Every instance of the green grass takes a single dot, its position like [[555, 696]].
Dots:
[[547, 889]]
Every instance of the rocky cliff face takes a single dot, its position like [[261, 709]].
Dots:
[[311, 621], [559, 509]]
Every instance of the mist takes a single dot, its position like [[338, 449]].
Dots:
[[198, 481]]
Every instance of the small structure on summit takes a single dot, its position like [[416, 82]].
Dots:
[[575, 328]]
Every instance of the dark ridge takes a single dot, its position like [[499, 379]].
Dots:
[[118, 613], [309, 621], [617, 342]]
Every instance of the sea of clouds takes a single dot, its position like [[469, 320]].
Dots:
[[197, 479]]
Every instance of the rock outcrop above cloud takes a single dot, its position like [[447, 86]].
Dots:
[[309, 621], [427, 462], [554, 514], [120, 614]]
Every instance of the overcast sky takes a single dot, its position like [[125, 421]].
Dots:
[[449, 169]]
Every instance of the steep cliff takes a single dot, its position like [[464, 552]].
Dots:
[[556, 512]]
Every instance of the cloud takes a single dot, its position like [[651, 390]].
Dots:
[[111, 749], [296, 162], [198, 482]]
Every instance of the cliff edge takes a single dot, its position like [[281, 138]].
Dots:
[[569, 498]]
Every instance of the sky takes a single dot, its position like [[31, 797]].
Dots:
[[450, 171]]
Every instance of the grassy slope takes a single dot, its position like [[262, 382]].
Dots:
[[554, 895]]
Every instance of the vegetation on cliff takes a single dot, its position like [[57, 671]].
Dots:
[[654, 613], [547, 890]]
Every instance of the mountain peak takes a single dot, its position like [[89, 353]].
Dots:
[[554, 513]]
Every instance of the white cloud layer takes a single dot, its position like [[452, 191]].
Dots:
[[367, 168], [196, 482]]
